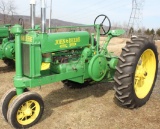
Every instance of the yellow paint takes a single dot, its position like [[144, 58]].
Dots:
[[29, 38], [26, 38], [145, 74], [69, 42], [45, 66], [63, 46], [72, 44], [28, 112]]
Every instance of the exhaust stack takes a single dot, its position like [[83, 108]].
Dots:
[[32, 13], [43, 16]]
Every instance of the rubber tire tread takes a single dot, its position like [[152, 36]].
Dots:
[[124, 87], [5, 101], [17, 102]]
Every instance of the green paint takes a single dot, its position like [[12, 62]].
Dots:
[[4, 32], [7, 46], [17, 30], [64, 41], [72, 56], [97, 67]]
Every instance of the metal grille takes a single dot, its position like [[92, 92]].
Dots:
[[26, 59]]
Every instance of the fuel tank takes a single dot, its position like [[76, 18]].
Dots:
[[64, 40]]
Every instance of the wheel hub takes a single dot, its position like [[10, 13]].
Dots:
[[141, 73], [28, 112], [145, 73]]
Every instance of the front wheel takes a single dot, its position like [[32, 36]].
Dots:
[[25, 110], [136, 73], [6, 101]]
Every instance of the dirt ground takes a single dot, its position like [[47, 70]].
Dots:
[[92, 107]]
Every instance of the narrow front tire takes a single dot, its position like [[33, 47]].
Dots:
[[25, 110]]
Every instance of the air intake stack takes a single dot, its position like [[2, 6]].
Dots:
[[43, 16], [32, 13]]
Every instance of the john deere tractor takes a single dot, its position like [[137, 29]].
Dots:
[[7, 44], [76, 57]]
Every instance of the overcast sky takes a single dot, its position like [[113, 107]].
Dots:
[[85, 11]]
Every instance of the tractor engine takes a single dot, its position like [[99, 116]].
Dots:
[[64, 52]]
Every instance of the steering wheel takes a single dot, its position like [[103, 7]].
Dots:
[[105, 28], [21, 22]]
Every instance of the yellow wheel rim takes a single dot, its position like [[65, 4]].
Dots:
[[145, 74], [45, 66], [28, 112]]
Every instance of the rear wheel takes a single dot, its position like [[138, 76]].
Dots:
[[25, 110], [136, 73]]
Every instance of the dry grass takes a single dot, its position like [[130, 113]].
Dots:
[[92, 107]]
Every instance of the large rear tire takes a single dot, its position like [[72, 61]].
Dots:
[[136, 72]]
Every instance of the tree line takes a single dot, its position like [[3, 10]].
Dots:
[[146, 32], [7, 10]]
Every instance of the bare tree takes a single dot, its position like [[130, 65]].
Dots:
[[7, 9], [3, 9]]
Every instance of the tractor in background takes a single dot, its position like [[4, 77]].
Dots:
[[7, 52], [76, 57], [7, 44]]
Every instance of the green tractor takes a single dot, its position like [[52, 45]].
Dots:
[[76, 57], [7, 44]]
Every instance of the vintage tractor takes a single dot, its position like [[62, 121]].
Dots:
[[7, 44], [76, 57]]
